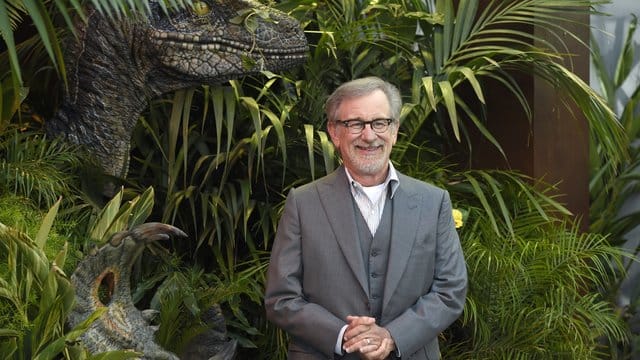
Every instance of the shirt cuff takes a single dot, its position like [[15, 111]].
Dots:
[[338, 348]]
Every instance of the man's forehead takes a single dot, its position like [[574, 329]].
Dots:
[[359, 108], [375, 101]]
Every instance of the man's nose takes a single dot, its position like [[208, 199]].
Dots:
[[368, 133]]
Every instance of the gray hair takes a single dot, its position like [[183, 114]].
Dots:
[[360, 87]]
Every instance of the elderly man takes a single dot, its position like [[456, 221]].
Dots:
[[366, 262]]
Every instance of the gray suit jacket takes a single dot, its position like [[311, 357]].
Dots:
[[316, 276]]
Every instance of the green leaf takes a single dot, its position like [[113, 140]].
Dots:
[[41, 20], [142, 208], [473, 80], [495, 187], [9, 333], [52, 350], [450, 103], [278, 126], [479, 193], [427, 84], [47, 223], [447, 35], [105, 218], [7, 36], [626, 59], [308, 132], [116, 355], [327, 151], [217, 99], [480, 126], [464, 21], [230, 106]]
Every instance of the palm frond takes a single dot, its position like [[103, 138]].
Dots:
[[37, 168], [30, 280], [488, 44], [531, 294]]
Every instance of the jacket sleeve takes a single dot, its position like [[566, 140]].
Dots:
[[443, 302], [286, 305]]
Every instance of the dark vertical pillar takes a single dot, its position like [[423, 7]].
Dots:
[[561, 133], [555, 145]]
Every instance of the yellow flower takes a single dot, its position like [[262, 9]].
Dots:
[[457, 218]]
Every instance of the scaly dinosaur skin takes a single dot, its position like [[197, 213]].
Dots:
[[116, 66], [123, 326]]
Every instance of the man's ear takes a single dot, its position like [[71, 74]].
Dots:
[[332, 130]]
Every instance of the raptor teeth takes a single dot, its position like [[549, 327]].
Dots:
[[187, 41]]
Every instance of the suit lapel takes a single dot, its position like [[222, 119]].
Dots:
[[336, 199], [406, 216]]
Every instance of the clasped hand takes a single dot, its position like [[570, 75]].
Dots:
[[363, 335]]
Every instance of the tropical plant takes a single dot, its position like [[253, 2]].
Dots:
[[608, 197], [36, 168], [221, 158], [534, 276], [185, 297], [611, 210], [36, 298]]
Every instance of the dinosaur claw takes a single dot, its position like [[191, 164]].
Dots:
[[155, 231], [147, 233], [157, 237]]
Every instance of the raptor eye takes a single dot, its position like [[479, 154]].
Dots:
[[201, 8]]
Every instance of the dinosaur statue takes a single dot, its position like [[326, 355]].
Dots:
[[123, 326], [117, 66]]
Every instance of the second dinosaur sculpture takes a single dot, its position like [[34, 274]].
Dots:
[[102, 281]]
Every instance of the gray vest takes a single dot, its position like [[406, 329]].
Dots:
[[375, 252]]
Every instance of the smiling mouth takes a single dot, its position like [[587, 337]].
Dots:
[[369, 148]]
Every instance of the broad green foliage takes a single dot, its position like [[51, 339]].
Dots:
[[534, 278], [118, 216], [21, 214], [218, 161], [35, 298], [33, 167], [608, 197], [610, 212], [184, 297], [533, 283]]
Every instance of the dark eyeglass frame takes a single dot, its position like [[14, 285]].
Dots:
[[356, 126]]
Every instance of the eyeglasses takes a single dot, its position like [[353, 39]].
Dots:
[[356, 126]]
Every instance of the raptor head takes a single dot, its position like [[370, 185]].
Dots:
[[117, 65], [218, 40]]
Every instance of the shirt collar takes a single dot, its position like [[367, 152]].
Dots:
[[392, 181]]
